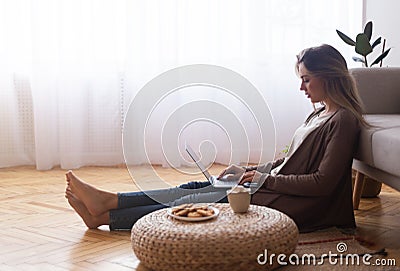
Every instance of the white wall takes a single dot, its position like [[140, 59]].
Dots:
[[385, 15]]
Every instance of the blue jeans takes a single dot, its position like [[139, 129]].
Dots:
[[134, 205]]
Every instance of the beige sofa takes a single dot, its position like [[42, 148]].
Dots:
[[378, 154]]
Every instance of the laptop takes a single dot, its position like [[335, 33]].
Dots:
[[218, 183]]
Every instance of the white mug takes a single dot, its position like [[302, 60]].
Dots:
[[239, 199]]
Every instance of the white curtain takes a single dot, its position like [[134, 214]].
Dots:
[[70, 68]]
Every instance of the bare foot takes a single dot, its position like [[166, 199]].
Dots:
[[96, 201], [92, 222]]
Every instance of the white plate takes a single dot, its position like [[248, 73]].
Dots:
[[194, 219]]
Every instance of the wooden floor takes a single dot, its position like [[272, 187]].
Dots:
[[39, 230]]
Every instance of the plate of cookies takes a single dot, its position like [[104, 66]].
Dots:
[[193, 212]]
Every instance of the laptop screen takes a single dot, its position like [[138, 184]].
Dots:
[[196, 159]]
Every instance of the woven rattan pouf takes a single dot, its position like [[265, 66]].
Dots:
[[229, 242]]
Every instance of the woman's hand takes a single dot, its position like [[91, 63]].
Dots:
[[251, 177], [231, 172]]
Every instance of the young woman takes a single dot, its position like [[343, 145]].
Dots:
[[312, 184]]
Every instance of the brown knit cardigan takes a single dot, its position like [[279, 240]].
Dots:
[[314, 187]]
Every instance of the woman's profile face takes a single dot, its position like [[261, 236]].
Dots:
[[312, 86]]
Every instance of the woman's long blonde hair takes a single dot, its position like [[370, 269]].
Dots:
[[328, 64]]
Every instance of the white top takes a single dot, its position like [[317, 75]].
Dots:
[[301, 133]]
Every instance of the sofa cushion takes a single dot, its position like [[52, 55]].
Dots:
[[380, 122], [386, 150], [383, 121]]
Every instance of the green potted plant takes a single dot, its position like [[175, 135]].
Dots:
[[363, 45]]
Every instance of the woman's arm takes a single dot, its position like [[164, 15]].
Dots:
[[264, 168]]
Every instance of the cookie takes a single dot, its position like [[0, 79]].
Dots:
[[202, 212], [194, 214], [181, 207], [183, 212]]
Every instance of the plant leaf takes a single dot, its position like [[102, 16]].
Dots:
[[368, 30], [362, 45], [376, 42], [382, 56], [358, 59], [345, 38]]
